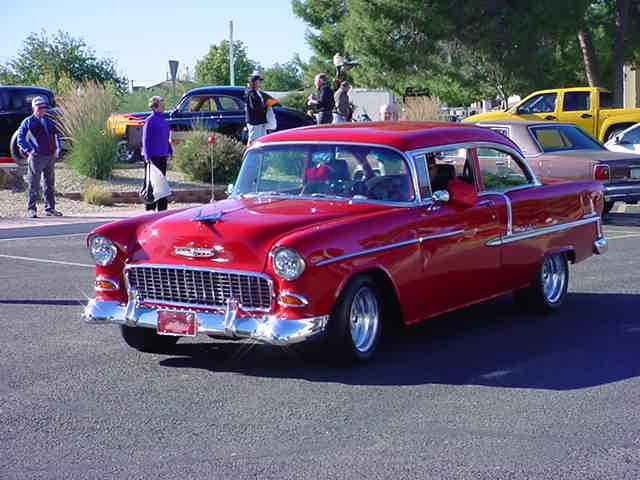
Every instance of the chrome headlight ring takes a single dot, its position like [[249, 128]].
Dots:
[[287, 263], [102, 250]]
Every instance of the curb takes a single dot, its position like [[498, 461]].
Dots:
[[200, 195]]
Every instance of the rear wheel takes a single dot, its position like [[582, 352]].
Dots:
[[549, 287], [356, 322], [148, 340]]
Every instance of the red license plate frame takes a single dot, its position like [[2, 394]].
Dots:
[[177, 323]]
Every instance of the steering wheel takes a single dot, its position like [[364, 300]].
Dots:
[[380, 188]]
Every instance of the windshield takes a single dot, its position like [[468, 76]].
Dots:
[[332, 171], [555, 138]]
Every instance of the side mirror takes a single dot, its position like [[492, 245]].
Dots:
[[440, 196], [229, 189]]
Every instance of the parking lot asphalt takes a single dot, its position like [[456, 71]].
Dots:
[[487, 392]]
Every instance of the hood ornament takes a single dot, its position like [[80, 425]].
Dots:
[[194, 252], [211, 218]]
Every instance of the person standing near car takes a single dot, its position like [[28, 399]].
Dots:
[[343, 112], [38, 137], [156, 150], [324, 101], [255, 109]]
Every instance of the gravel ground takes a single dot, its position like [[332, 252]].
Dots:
[[125, 179]]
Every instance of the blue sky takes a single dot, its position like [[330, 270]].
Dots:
[[142, 35]]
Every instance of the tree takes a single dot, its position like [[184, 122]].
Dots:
[[50, 60], [283, 77], [213, 68]]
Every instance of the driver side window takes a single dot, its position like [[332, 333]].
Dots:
[[543, 103]]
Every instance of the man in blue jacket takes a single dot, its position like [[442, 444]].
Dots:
[[38, 137]]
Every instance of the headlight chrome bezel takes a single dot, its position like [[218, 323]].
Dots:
[[287, 263], [98, 244]]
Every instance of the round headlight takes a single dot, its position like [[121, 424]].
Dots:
[[287, 263], [102, 250]]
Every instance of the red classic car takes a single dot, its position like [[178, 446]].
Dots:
[[331, 232]]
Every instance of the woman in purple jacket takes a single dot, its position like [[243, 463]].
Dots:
[[155, 144]]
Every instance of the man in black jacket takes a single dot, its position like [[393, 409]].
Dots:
[[256, 108], [324, 102]]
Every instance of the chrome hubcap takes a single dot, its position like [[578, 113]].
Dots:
[[554, 277], [364, 319]]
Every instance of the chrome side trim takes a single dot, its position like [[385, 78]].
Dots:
[[621, 187], [387, 247], [509, 208], [540, 231]]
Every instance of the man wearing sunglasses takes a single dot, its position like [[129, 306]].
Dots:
[[38, 138]]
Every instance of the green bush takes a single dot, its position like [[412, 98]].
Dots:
[[296, 101], [83, 120], [193, 157]]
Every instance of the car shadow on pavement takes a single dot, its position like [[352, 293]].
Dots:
[[63, 303], [622, 219], [490, 344]]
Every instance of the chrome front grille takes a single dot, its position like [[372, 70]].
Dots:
[[199, 286]]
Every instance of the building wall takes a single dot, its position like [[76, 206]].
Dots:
[[631, 86]]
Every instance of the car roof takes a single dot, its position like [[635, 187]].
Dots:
[[224, 90], [26, 87], [524, 123], [403, 135]]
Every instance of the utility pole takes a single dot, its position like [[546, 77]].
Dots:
[[231, 59]]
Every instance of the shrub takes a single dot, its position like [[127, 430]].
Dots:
[[193, 156], [95, 195], [83, 119], [423, 108], [296, 101]]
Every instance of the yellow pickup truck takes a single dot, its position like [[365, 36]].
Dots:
[[587, 107]]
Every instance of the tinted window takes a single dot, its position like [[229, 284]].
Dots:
[[554, 138], [606, 99], [543, 103], [501, 171], [574, 101], [229, 103], [199, 103], [632, 136], [20, 100]]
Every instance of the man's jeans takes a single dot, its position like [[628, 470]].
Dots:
[[41, 166]]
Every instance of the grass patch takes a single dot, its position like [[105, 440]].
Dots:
[[95, 195]]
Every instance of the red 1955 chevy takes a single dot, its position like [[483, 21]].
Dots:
[[332, 232]]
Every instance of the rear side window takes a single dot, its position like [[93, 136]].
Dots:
[[229, 103], [576, 101], [501, 171], [20, 101], [553, 138]]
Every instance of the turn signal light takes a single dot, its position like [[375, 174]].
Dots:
[[105, 284], [602, 172], [287, 299]]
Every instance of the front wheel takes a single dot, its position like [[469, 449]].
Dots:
[[549, 287], [356, 322], [148, 340]]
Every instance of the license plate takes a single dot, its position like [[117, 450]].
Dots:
[[634, 173], [177, 323]]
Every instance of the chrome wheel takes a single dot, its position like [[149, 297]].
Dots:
[[554, 278], [364, 319]]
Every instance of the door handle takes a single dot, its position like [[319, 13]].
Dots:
[[586, 115], [549, 117]]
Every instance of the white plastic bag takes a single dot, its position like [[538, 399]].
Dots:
[[272, 124], [159, 183]]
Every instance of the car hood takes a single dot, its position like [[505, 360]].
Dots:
[[235, 233], [482, 117]]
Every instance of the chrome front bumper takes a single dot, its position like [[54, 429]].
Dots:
[[228, 323]]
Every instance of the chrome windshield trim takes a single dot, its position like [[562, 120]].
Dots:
[[541, 231], [405, 155], [387, 247]]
